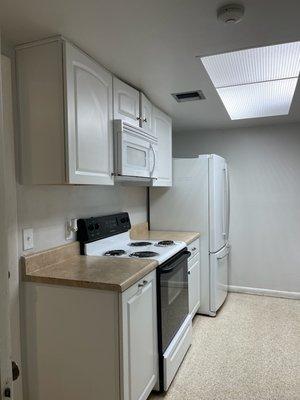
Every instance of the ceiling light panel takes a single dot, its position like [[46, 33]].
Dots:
[[254, 65], [257, 100]]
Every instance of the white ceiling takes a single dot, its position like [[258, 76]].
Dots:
[[153, 44]]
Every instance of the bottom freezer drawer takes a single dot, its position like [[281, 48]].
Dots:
[[219, 278], [176, 351]]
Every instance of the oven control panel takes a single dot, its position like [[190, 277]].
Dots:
[[95, 228]]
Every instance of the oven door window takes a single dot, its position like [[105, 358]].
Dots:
[[174, 300]]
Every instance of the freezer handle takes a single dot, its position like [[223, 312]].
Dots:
[[227, 202]]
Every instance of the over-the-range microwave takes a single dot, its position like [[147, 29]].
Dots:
[[135, 154]]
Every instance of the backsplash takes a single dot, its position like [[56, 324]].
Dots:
[[46, 208]]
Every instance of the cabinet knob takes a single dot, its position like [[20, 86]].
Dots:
[[144, 283], [189, 272], [145, 120], [138, 118], [194, 249]]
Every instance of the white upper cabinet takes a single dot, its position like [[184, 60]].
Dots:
[[162, 129], [146, 114], [65, 101], [126, 103]]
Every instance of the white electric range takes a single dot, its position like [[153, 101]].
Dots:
[[108, 236]]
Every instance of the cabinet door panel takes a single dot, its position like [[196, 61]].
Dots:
[[139, 340], [162, 128], [194, 288], [89, 107], [146, 114], [126, 103]]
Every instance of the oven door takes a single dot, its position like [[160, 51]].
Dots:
[[173, 299], [136, 153]]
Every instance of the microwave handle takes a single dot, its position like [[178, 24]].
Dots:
[[154, 159]]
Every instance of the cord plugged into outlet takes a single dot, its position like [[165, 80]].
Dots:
[[71, 228]]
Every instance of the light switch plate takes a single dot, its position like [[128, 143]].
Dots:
[[27, 239]]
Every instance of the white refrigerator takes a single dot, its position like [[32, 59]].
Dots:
[[199, 200]]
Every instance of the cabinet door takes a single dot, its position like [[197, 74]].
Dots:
[[89, 119], [194, 287], [126, 103], [162, 128], [139, 339], [146, 114]]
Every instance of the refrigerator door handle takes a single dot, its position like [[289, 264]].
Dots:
[[227, 203], [225, 206]]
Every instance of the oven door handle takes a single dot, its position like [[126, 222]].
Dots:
[[186, 254]]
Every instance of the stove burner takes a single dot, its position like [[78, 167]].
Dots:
[[115, 253], [165, 243], [138, 244], [143, 254]]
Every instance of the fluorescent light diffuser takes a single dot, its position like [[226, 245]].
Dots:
[[239, 76], [256, 100]]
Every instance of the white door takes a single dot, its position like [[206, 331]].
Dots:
[[194, 287], [89, 119], [162, 129], [146, 114], [218, 201], [5, 359], [219, 278], [140, 354], [126, 103]]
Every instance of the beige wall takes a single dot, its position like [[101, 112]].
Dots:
[[264, 166]]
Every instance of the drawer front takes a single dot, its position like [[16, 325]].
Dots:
[[194, 249], [175, 354]]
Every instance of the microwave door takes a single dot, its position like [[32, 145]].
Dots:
[[136, 156]]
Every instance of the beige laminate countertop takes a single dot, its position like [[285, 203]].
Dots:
[[64, 266], [187, 237]]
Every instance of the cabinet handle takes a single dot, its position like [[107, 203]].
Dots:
[[144, 283], [145, 120]]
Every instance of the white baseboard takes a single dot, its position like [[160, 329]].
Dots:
[[264, 292]]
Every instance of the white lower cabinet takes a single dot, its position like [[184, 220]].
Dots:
[[91, 344], [194, 288], [194, 278], [139, 339]]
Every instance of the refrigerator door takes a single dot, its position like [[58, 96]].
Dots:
[[219, 278], [218, 202]]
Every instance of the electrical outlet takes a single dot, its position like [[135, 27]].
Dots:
[[27, 239]]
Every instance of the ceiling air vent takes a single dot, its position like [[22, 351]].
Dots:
[[188, 96]]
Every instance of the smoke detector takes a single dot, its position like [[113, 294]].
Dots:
[[231, 13]]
